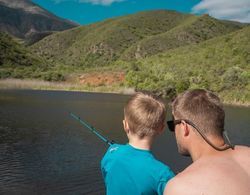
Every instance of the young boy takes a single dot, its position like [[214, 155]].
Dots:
[[132, 169]]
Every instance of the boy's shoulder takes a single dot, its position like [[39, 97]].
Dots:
[[160, 163], [114, 148], [113, 152]]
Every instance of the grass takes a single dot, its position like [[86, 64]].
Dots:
[[65, 86]]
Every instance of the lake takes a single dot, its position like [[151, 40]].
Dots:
[[43, 150]]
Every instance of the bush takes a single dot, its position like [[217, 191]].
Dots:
[[53, 76], [182, 85], [5, 73], [232, 77]]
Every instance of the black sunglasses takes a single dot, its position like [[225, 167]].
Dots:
[[171, 126]]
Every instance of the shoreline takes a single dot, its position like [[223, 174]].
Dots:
[[32, 84]]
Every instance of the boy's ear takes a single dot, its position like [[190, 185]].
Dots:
[[125, 126], [162, 128]]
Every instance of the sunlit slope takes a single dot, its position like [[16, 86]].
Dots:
[[129, 37], [192, 30], [221, 64], [104, 42]]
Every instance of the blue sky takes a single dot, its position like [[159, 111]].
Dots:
[[89, 11]]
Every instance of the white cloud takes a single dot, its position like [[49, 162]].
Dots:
[[237, 10], [100, 2], [95, 2]]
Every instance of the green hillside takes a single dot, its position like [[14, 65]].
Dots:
[[221, 64], [17, 61], [194, 29], [129, 37], [102, 43]]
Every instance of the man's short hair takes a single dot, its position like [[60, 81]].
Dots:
[[145, 114], [203, 108]]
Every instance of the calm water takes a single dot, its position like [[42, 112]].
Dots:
[[44, 151]]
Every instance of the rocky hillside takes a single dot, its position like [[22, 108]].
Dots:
[[28, 21], [130, 37]]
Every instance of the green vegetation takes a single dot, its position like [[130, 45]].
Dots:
[[162, 51], [128, 38], [192, 29], [17, 61], [221, 64]]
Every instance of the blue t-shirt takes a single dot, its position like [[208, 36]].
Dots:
[[132, 171]]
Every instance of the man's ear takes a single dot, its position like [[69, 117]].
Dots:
[[185, 128]]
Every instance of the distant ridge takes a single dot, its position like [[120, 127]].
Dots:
[[28, 21], [130, 37], [191, 30]]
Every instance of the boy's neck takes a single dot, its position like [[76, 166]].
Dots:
[[141, 143]]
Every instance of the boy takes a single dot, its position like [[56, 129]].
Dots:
[[132, 169]]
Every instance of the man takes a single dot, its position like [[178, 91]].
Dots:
[[218, 167]]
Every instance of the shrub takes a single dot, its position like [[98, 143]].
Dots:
[[232, 77], [53, 76], [5, 73]]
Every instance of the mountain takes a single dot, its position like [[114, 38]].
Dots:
[[28, 21], [192, 30], [130, 37], [101, 43], [221, 64]]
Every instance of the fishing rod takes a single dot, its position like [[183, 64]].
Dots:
[[92, 129]]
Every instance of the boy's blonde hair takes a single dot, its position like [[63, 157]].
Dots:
[[145, 114]]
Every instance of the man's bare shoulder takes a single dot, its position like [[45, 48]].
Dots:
[[181, 183], [174, 187], [242, 148], [242, 151], [241, 155], [230, 168]]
